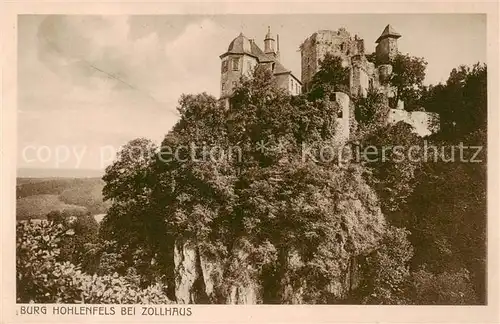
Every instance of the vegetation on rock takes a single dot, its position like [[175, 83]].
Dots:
[[232, 186]]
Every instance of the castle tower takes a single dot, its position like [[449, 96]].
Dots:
[[387, 45], [336, 42], [236, 62], [269, 43]]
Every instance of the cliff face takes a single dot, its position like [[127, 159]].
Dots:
[[199, 280]]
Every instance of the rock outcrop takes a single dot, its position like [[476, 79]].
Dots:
[[199, 280]]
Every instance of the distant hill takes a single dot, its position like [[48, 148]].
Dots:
[[58, 173], [36, 197]]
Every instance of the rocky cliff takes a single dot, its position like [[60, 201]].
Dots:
[[199, 280]]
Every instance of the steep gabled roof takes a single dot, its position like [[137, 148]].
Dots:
[[389, 31], [261, 56], [279, 68], [265, 58]]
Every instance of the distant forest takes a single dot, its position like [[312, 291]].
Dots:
[[36, 197]]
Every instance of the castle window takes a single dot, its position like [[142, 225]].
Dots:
[[342, 47], [235, 84], [224, 66], [236, 64], [223, 86]]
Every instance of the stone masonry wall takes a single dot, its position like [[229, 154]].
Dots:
[[232, 77], [424, 123], [386, 50], [343, 124], [339, 43], [287, 82]]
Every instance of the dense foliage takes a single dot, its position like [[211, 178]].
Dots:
[[44, 276], [333, 75], [408, 74], [248, 187]]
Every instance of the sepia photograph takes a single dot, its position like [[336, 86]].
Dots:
[[272, 159]]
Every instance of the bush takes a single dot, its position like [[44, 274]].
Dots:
[[43, 277], [387, 279], [447, 288]]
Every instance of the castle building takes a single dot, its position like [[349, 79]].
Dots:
[[363, 73], [387, 45], [243, 55]]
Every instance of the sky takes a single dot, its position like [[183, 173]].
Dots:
[[89, 84]]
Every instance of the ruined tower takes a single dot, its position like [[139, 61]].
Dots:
[[387, 45]]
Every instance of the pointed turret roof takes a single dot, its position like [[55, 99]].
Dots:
[[269, 35], [389, 31]]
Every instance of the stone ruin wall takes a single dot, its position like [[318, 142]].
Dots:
[[424, 123], [339, 43], [342, 132], [362, 74]]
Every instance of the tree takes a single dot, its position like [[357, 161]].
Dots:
[[448, 215], [132, 221], [447, 288], [392, 168], [129, 175], [408, 74], [371, 112], [44, 277], [461, 103], [387, 278], [331, 77], [447, 208]]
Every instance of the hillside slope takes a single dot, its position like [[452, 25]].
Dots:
[[37, 197]]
